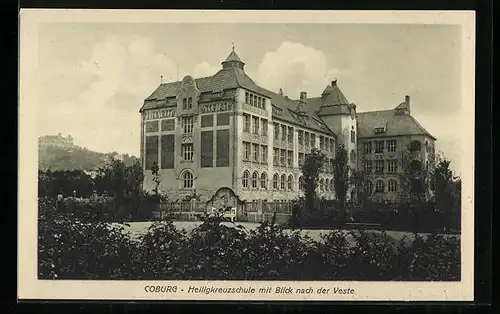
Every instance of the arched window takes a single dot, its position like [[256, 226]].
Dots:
[[369, 187], [244, 180], [290, 182], [255, 180], [283, 182], [263, 180], [301, 183], [187, 180], [321, 185], [379, 186], [392, 186], [327, 185], [275, 181], [353, 155]]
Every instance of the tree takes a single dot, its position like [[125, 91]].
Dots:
[[311, 168], [341, 178], [447, 192], [155, 171]]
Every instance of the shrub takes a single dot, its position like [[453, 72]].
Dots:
[[72, 248]]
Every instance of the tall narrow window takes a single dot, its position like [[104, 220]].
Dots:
[[255, 121], [255, 180], [379, 147], [367, 164], [313, 140], [245, 178], [246, 123], [332, 145], [392, 186], [306, 139], [290, 135], [289, 158], [290, 182], [327, 185], [247, 98], [263, 180], [301, 159], [276, 156], [263, 152], [301, 137], [207, 149], [322, 142], [151, 151], [167, 151], [283, 182], [392, 166], [391, 146], [379, 166], [321, 185], [187, 152], [255, 152], [184, 103], [276, 131], [283, 133], [301, 183], [187, 180], [283, 157], [264, 127], [367, 147], [190, 103], [379, 186], [275, 181], [222, 148], [353, 135], [246, 151], [187, 124]]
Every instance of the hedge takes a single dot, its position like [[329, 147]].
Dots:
[[75, 248]]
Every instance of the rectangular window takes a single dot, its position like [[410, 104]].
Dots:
[[301, 137], [321, 142], [367, 164], [391, 146], [187, 152], [255, 152], [255, 121], [264, 103], [222, 148], [283, 133], [222, 119], [246, 123], [168, 125], [367, 148], [264, 127], [392, 166], [332, 145], [379, 166], [327, 144], [263, 152], [276, 131], [306, 139], [246, 151], [259, 101], [251, 99], [187, 124], [151, 151], [247, 98], [255, 100], [289, 158], [283, 157], [313, 140], [276, 156], [379, 147], [301, 159], [207, 149], [290, 135], [167, 151], [151, 126], [207, 120], [353, 136]]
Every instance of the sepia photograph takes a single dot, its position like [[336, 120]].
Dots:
[[234, 157]]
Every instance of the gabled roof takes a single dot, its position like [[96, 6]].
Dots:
[[332, 95], [395, 124]]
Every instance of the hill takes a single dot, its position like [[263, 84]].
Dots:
[[74, 158]]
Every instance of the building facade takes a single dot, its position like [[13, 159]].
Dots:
[[225, 131]]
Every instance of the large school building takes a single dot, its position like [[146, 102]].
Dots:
[[225, 131]]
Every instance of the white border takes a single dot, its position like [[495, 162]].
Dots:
[[31, 288]]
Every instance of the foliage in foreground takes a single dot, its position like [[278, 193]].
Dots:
[[73, 248]]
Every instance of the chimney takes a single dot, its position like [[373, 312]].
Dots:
[[334, 83], [407, 101], [303, 96]]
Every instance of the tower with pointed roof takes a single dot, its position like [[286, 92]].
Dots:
[[233, 62], [340, 116]]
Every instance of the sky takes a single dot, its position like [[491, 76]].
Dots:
[[92, 78]]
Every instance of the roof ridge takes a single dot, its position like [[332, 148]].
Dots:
[[420, 126]]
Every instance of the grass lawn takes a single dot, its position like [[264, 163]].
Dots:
[[137, 229]]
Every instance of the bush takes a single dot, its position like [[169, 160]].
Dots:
[[74, 248]]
